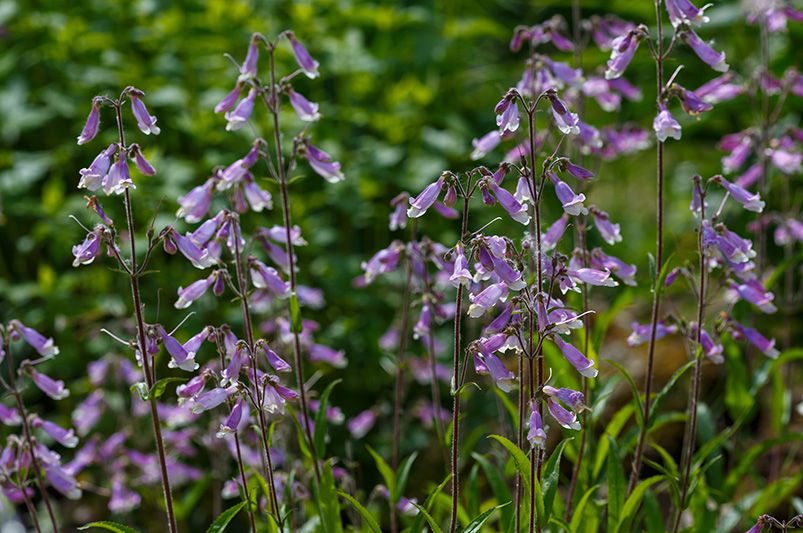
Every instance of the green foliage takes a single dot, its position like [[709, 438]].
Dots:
[[222, 521]]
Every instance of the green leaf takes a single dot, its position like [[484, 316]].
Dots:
[[552, 476], [140, 388], [613, 429], [664, 272], [577, 517], [225, 517], [519, 458], [418, 525], [387, 474], [659, 398], [321, 422], [475, 526], [634, 500], [750, 458], [633, 389], [498, 485], [109, 526], [404, 473], [159, 387], [428, 517], [327, 501], [373, 525], [616, 485], [295, 314]]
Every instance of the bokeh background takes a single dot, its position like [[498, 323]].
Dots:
[[405, 87]]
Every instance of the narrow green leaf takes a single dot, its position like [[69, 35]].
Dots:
[[327, 501], [220, 523], [634, 500], [373, 525], [321, 422], [633, 389], [552, 476], [519, 458], [295, 314], [159, 387], [428, 517], [613, 429], [664, 272], [579, 511], [498, 485], [404, 473], [616, 485], [387, 474], [140, 388], [659, 398], [475, 526], [418, 525], [109, 526]]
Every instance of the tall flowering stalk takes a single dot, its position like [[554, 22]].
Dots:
[[26, 461], [113, 178]]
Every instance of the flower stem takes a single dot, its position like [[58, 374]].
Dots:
[[659, 257], [149, 367], [458, 315]]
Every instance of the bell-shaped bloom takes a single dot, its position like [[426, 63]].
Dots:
[[199, 258], [361, 424], [580, 362], [536, 435], [319, 353], [44, 346], [323, 164], [65, 437], [786, 161], [92, 177], [92, 123], [711, 349], [523, 193], [553, 235], [232, 422], [593, 276], [764, 345], [503, 377], [562, 416], [63, 482], [237, 118], [87, 414], [665, 125], [737, 157], [230, 100], [145, 121], [623, 49], [123, 499], [194, 343], [421, 203], [383, 261], [516, 210], [249, 66], [732, 247], [194, 205], [751, 202], [209, 400], [509, 119], [303, 58], [277, 363], [192, 388], [753, 291], [460, 274], [143, 165], [509, 275], [87, 251], [624, 271], [179, 356], [486, 299], [265, 277], [681, 11], [578, 172], [690, 102], [572, 203], [709, 56], [485, 144], [257, 197], [641, 332], [9, 416], [306, 110], [118, 179], [574, 399], [610, 232], [720, 89], [196, 289], [52, 387], [566, 121], [398, 217]]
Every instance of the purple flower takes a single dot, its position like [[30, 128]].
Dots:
[[87, 251], [550, 239], [361, 424], [306, 110], [43, 346], [592, 276], [681, 11], [583, 365], [574, 399], [572, 203], [209, 400], [766, 346], [53, 388], [751, 202], [754, 292], [665, 125], [92, 176], [318, 353], [198, 257], [249, 66], [9, 416], [460, 274], [425, 199], [195, 204], [304, 60], [508, 119], [563, 417], [503, 377], [577, 171], [623, 49], [145, 121], [143, 164], [240, 115], [536, 435], [485, 144], [641, 332], [786, 161], [194, 291], [720, 89], [123, 499], [276, 362], [62, 482], [691, 103], [516, 210], [229, 100], [738, 155], [88, 412], [179, 356], [265, 277], [486, 299], [566, 121], [609, 231], [709, 56], [322, 164], [92, 122], [65, 437], [624, 271], [118, 179], [232, 422], [757, 527], [398, 217], [709, 348]]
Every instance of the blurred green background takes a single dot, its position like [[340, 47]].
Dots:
[[404, 88]]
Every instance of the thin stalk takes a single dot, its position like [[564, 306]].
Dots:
[[249, 339], [149, 367], [689, 438], [26, 428], [30, 506], [397, 400], [277, 136], [520, 441], [659, 259], [458, 315]]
